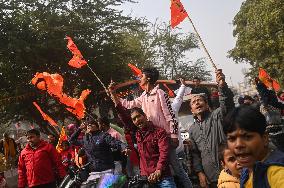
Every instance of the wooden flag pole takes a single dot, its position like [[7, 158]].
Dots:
[[213, 64], [97, 77]]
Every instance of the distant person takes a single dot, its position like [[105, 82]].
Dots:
[[248, 100], [214, 98], [52, 140], [39, 163], [8, 147]]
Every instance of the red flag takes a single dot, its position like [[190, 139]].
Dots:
[[45, 116], [135, 70], [267, 80], [77, 61], [170, 92], [178, 13]]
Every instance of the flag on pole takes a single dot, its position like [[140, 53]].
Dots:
[[45, 116], [77, 60], [137, 72], [178, 13], [267, 80]]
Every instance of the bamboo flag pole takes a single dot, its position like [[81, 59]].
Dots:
[[202, 44], [97, 77]]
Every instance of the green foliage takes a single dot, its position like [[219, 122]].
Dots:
[[32, 36], [172, 47], [259, 28], [32, 40]]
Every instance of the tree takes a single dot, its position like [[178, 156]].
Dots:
[[32, 40], [172, 46], [259, 28]]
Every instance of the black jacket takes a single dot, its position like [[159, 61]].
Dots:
[[97, 146]]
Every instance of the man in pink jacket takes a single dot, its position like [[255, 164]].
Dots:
[[157, 107]]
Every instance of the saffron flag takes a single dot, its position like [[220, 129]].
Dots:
[[178, 13], [137, 72], [45, 116], [170, 92], [267, 80], [62, 137], [77, 60], [53, 84]]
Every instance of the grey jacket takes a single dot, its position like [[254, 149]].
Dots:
[[208, 134]]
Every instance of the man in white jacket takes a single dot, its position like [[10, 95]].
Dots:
[[177, 167]]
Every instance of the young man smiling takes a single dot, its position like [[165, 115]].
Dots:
[[245, 128]]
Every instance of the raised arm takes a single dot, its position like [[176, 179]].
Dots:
[[176, 104], [226, 97]]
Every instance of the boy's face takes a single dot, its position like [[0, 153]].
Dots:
[[248, 147], [230, 162]]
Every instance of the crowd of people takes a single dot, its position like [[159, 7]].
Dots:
[[229, 145]]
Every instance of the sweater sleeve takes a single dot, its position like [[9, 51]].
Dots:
[[164, 147], [131, 104], [22, 176], [226, 99], [176, 104], [168, 113]]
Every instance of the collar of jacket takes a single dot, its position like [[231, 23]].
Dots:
[[204, 115], [41, 143], [146, 129], [152, 92]]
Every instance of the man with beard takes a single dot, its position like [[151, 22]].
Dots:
[[245, 128], [207, 133]]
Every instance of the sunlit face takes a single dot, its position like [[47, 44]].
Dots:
[[33, 140], [138, 119], [230, 162], [198, 105], [248, 147]]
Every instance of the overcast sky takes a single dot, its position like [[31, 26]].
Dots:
[[213, 20]]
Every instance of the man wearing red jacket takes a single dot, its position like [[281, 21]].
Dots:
[[39, 163]]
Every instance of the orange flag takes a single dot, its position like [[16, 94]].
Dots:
[[62, 137], [178, 13], [170, 92], [267, 80], [45, 116], [77, 61], [76, 106], [135, 70], [53, 84]]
